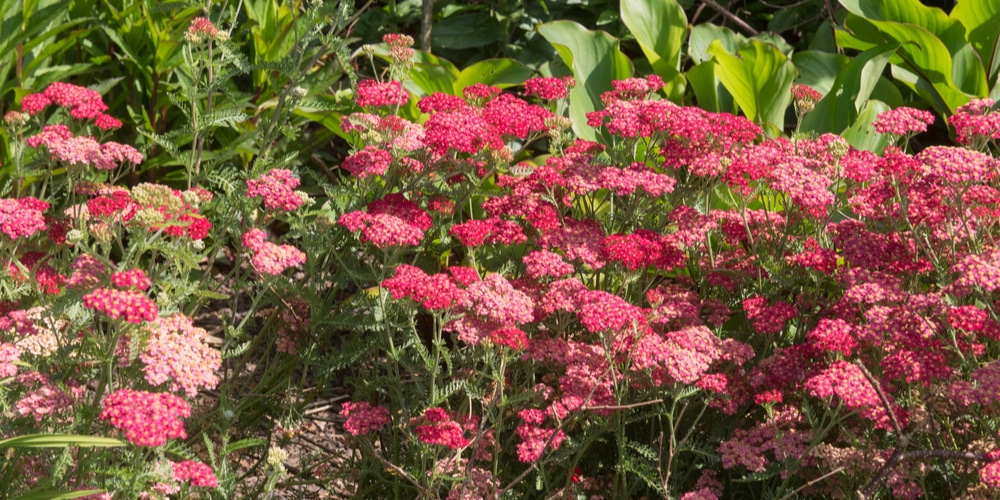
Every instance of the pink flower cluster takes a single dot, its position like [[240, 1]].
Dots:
[[434, 292], [374, 94], [277, 188], [22, 217], [9, 354], [976, 122], [269, 258], [194, 473], [84, 150], [147, 418], [363, 418], [902, 121], [391, 221], [130, 305], [846, 381], [368, 162], [176, 351], [535, 440]]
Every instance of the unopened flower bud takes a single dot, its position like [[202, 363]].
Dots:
[[198, 245], [276, 457], [838, 149], [368, 50], [74, 236], [148, 217], [298, 92]]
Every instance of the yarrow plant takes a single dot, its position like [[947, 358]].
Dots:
[[692, 307]]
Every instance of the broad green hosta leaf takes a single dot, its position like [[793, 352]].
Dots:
[[58, 441], [981, 19], [430, 73], [708, 90], [935, 59], [57, 495], [819, 70], [596, 60], [704, 34], [926, 63], [862, 134], [759, 79], [501, 73], [465, 31], [934, 20], [660, 28], [841, 104]]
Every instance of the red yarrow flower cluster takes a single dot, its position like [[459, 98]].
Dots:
[[194, 473], [439, 429], [133, 278], [768, 318], [277, 188], [130, 305], [550, 88], [363, 418], [147, 418], [269, 258]]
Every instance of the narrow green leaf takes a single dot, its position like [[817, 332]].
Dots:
[[57, 495], [58, 441]]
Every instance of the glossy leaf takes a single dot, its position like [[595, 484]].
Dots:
[[704, 34], [500, 73], [932, 19], [819, 70], [596, 60], [465, 31], [660, 28], [862, 134], [925, 63], [759, 80], [981, 19], [708, 90]]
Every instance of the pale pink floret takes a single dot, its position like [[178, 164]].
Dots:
[[269, 258], [277, 188], [9, 354], [147, 418], [22, 217], [176, 351]]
